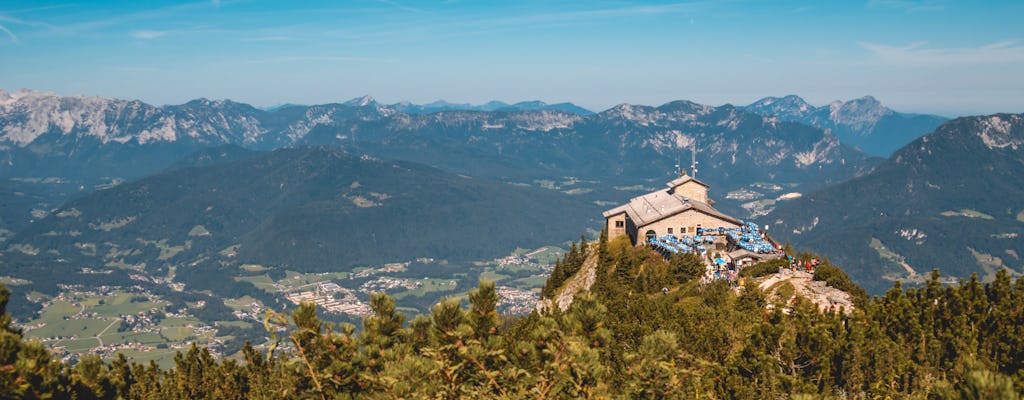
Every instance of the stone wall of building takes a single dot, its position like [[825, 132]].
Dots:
[[614, 230], [689, 219], [694, 191]]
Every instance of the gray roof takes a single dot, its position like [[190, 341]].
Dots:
[[661, 204], [683, 179]]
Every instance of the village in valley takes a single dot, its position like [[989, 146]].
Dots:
[[144, 324]]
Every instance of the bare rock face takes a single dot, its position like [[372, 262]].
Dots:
[[582, 281], [864, 122], [818, 292]]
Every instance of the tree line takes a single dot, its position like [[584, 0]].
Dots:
[[623, 338]]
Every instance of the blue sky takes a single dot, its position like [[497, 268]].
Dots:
[[944, 57]]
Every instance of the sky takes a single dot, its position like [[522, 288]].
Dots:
[[930, 56]]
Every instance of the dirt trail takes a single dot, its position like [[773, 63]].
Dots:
[[908, 268], [99, 335]]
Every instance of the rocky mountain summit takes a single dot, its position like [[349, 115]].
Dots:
[[865, 122]]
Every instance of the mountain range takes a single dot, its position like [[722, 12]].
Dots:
[[495, 105], [94, 139], [952, 199], [864, 123]]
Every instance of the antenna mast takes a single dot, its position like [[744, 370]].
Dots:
[[693, 158], [679, 165]]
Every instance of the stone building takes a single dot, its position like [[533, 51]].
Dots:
[[680, 209]]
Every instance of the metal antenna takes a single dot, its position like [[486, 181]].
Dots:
[[679, 168], [693, 158]]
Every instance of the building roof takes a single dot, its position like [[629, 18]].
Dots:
[[683, 179], [661, 204]]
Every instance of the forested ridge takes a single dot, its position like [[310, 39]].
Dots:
[[624, 338]]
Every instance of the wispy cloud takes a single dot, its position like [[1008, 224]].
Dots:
[[138, 69], [9, 33], [19, 21], [293, 59], [919, 55], [40, 8], [402, 6], [642, 10], [147, 34], [909, 5], [278, 38], [122, 19], [491, 23]]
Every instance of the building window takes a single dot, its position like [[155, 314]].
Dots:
[[620, 224], [669, 231], [682, 230], [650, 234]]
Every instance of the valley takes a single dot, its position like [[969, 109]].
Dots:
[[147, 322]]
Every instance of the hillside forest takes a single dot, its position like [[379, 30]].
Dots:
[[626, 337]]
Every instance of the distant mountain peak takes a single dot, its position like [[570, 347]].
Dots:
[[789, 107], [205, 102], [861, 114], [787, 100], [442, 103], [624, 110], [686, 106], [363, 101], [531, 103], [863, 122]]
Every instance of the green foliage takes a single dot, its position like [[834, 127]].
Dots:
[[685, 267], [764, 268], [838, 279], [565, 268], [959, 342]]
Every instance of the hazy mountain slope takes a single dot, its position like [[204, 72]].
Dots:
[[864, 123], [214, 155], [950, 200], [304, 208]]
